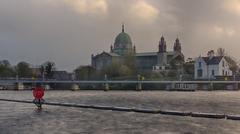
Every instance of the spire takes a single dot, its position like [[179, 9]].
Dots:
[[177, 39], [162, 45], [162, 38], [177, 45], [123, 27]]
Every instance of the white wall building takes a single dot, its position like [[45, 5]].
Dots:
[[211, 66]]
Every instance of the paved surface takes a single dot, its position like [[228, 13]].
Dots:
[[24, 118]]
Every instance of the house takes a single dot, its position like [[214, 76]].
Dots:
[[211, 67]]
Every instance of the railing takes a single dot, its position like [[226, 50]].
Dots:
[[116, 82], [124, 84]]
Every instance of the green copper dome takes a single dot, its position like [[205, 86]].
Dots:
[[123, 38], [123, 43]]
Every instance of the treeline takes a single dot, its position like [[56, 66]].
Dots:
[[125, 70], [25, 70]]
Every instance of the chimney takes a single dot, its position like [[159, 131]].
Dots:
[[210, 54]]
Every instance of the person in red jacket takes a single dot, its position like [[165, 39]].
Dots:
[[38, 93]]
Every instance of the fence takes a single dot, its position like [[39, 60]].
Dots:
[[137, 84]]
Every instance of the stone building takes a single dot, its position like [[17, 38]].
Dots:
[[154, 61]]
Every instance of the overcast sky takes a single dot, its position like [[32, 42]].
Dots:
[[69, 31]]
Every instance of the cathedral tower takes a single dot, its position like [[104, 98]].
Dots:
[[177, 46], [162, 45], [162, 53]]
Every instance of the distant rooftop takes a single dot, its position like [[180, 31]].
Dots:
[[213, 61]]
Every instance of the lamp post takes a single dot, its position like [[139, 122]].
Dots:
[[43, 74], [139, 85], [236, 83], [106, 84]]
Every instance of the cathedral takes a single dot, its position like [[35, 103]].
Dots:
[[149, 61]]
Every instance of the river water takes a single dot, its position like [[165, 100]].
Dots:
[[19, 118]]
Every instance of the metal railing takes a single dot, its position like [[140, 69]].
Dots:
[[117, 82]]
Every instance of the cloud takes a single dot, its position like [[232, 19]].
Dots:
[[218, 29], [89, 6], [222, 31], [232, 6], [230, 32], [143, 10], [69, 31]]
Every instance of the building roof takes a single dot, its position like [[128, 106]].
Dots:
[[172, 53], [147, 54], [212, 61], [113, 54], [61, 75], [106, 53]]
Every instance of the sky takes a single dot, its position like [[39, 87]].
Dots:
[[69, 31]]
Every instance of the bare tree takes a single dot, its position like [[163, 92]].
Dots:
[[221, 52], [47, 69]]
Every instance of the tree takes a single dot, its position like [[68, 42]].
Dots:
[[125, 71], [23, 69], [6, 70], [188, 66], [5, 63], [232, 64], [47, 69], [112, 70], [231, 61], [221, 52], [84, 72], [130, 61]]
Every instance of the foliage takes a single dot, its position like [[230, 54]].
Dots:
[[177, 63], [47, 69], [117, 70], [232, 64], [130, 61], [189, 66], [84, 73], [124, 70], [6, 70], [23, 69], [172, 73], [5, 63]]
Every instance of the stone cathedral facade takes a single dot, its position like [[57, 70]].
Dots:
[[149, 61]]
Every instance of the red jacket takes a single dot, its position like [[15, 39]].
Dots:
[[38, 92]]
